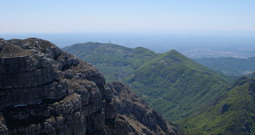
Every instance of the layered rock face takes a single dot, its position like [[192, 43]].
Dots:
[[44, 91]]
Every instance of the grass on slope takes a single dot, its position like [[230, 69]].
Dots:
[[115, 61], [171, 83], [234, 114], [175, 85]]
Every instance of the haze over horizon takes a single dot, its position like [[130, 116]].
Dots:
[[222, 25]]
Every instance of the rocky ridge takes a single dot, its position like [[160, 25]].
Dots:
[[45, 91]]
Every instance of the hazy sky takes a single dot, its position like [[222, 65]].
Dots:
[[63, 16]]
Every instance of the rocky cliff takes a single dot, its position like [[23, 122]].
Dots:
[[44, 91]]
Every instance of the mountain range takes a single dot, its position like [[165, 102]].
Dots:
[[200, 100], [170, 82]]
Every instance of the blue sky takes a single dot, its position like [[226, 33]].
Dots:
[[79, 16]]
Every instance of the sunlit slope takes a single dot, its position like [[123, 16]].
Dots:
[[170, 82], [175, 85], [232, 114], [115, 61]]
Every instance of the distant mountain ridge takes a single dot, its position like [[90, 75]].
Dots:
[[115, 61], [200, 100], [170, 82]]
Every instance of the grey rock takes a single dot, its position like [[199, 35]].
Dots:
[[134, 116], [69, 74]]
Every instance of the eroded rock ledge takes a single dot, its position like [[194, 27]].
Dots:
[[44, 91]]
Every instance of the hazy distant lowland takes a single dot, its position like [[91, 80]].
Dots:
[[193, 45]]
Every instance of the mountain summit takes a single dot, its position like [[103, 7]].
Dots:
[[176, 85]]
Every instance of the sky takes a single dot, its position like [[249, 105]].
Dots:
[[125, 16]]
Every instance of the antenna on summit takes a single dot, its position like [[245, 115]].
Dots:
[[109, 42]]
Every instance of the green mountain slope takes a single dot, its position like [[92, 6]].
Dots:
[[115, 61], [175, 85], [229, 66], [232, 114], [171, 83]]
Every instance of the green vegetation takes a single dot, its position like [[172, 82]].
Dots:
[[115, 61], [170, 82], [200, 100], [229, 66], [175, 85], [232, 114]]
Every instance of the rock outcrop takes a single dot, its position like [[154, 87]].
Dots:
[[44, 91]]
